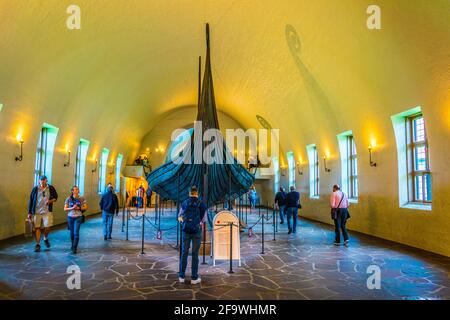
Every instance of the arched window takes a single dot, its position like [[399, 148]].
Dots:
[[349, 164], [44, 152], [80, 170], [414, 173], [313, 159], [102, 172], [276, 173], [118, 167], [291, 166]]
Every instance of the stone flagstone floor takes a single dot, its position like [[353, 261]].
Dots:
[[301, 266]]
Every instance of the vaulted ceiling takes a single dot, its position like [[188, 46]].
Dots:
[[311, 68]]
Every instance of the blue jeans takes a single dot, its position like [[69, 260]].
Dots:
[[107, 223], [339, 225], [74, 225], [196, 242], [140, 202], [282, 213], [292, 212]]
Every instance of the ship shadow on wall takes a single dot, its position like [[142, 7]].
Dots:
[[319, 103]]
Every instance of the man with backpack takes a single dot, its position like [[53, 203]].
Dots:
[[109, 204], [280, 202], [192, 216]]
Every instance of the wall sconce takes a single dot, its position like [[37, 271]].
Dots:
[[67, 163], [299, 168], [96, 165], [112, 170], [20, 140], [325, 164], [283, 171], [372, 163]]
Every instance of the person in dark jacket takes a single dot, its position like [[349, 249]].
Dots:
[[40, 210], [280, 202], [149, 193], [192, 217], [109, 204], [292, 205]]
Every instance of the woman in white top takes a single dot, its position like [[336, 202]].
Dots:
[[75, 206], [339, 207]]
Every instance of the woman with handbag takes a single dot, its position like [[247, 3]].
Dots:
[[75, 206], [339, 214]]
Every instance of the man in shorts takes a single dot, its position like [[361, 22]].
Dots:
[[40, 209]]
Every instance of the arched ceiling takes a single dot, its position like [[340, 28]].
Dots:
[[133, 61]]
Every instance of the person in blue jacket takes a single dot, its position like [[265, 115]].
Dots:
[[192, 217], [292, 205], [109, 204]]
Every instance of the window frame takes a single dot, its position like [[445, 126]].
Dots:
[[80, 165], [44, 152], [291, 167], [316, 177], [411, 147], [352, 163], [117, 170], [103, 168]]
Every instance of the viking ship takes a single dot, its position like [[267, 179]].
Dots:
[[217, 182]]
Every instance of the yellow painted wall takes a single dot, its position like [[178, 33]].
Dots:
[[134, 61]]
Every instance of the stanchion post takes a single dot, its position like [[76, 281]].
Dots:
[[274, 222], [156, 208], [276, 219], [231, 248], [262, 235], [204, 241], [178, 210], [143, 231], [128, 218], [123, 215]]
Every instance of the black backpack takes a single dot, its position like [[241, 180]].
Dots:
[[191, 222]]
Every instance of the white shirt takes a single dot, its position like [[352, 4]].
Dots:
[[42, 197]]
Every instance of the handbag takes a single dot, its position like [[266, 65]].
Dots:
[[334, 211], [83, 218], [28, 228]]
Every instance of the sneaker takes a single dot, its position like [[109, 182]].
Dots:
[[181, 280], [337, 243], [105, 238], [196, 281], [290, 231], [346, 243], [47, 243], [109, 238], [74, 251], [281, 222], [37, 248]]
